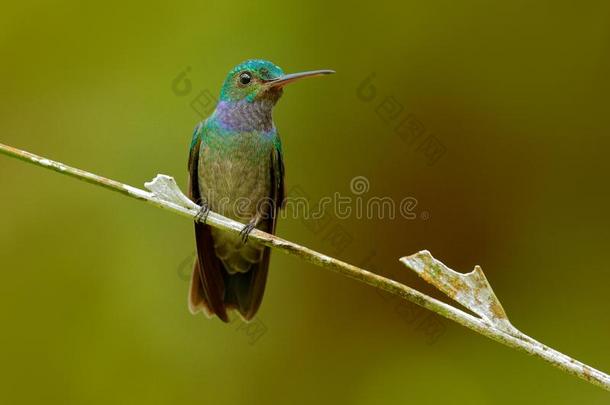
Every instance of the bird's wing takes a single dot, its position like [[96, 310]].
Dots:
[[277, 176], [207, 282]]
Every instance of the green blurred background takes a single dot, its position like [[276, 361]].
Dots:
[[93, 290]]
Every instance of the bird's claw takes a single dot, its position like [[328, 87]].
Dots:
[[245, 232], [202, 214]]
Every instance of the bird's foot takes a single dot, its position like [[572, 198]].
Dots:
[[245, 232], [202, 214]]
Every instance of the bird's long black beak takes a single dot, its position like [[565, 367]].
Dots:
[[284, 80]]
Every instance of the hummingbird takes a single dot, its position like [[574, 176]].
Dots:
[[236, 169]]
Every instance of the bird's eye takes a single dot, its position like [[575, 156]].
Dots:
[[245, 78]]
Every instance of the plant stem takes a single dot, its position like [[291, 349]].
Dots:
[[165, 194]]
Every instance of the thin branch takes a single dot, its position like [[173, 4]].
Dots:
[[471, 290]]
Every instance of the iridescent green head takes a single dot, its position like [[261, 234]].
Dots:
[[259, 79]]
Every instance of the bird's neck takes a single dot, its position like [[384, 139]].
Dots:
[[245, 116]]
